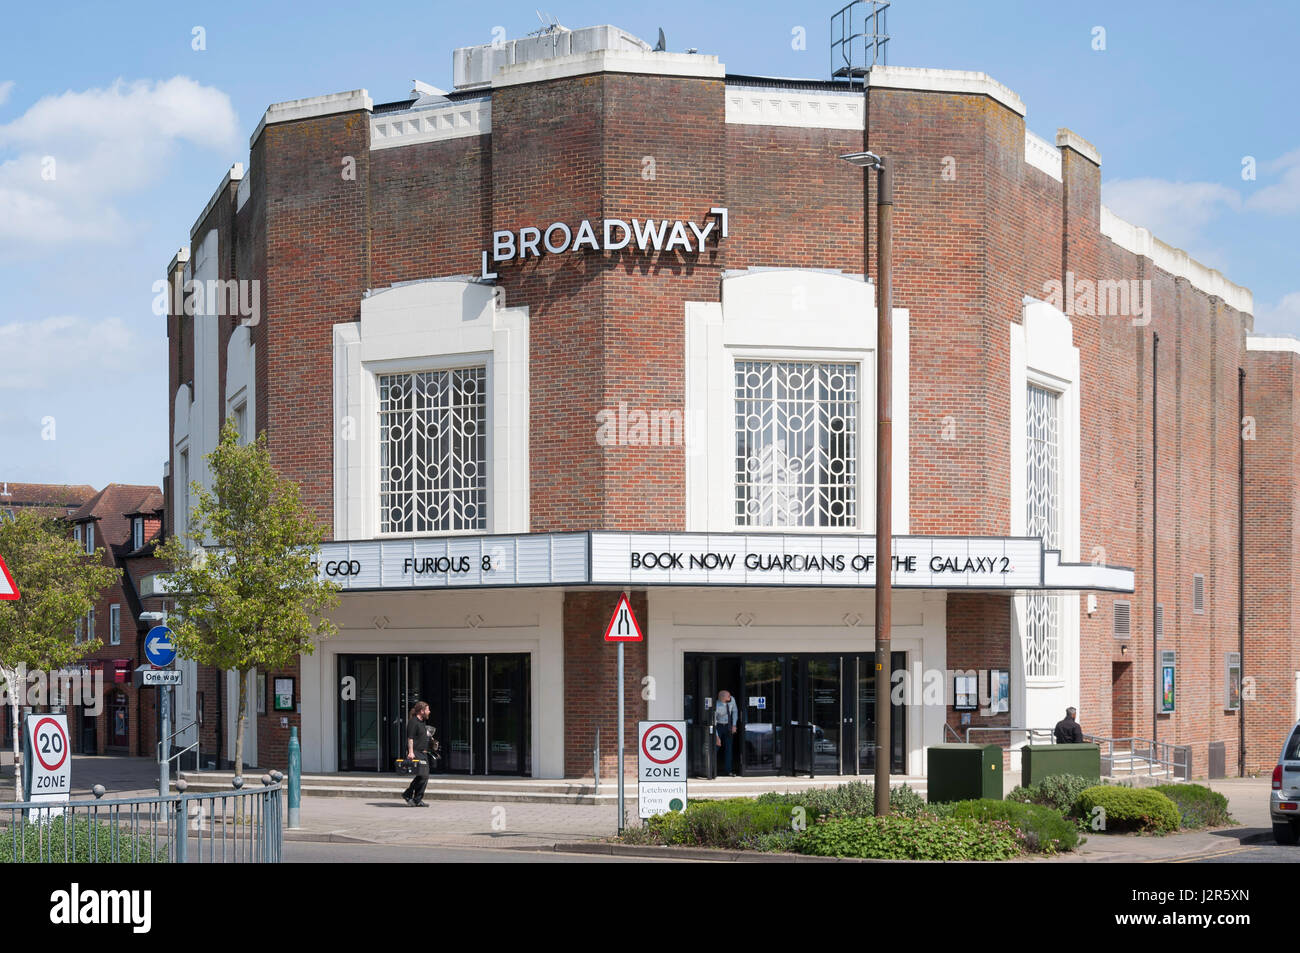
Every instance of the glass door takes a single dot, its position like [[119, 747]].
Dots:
[[699, 696], [820, 684], [507, 711], [867, 715], [762, 715]]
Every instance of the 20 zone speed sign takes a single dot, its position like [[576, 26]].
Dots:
[[48, 766], [661, 767]]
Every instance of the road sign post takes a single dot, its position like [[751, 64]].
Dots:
[[161, 652], [622, 628]]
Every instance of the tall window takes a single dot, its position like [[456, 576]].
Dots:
[[433, 451], [1043, 492], [241, 422], [90, 538], [114, 625], [90, 625], [137, 532], [796, 444]]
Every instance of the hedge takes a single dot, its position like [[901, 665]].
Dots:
[[1040, 829], [1197, 805], [909, 838], [1128, 809]]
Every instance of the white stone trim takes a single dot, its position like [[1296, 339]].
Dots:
[[944, 81], [244, 192], [522, 620], [1175, 261], [693, 65], [418, 326], [236, 174], [241, 378], [787, 314], [755, 106], [452, 121], [312, 106], [1042, 155], [1264, 342], [783, 621], [1068, 139], [1043, 353]]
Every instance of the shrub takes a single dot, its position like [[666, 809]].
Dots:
[[909, 838], [854, 799], [1060, 791], [1130, 809], [1197, 805], [1039, 828], [731, 823], [82, 841]]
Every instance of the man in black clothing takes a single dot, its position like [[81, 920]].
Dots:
[[1067, 729], [417, 747]]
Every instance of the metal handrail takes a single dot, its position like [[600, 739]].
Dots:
[[1007, 728], [1166, 759], [194, 746], [952, 731]]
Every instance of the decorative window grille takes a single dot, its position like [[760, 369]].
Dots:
[[1198, 594], [433, 451], [1043, 494], [796, 444]]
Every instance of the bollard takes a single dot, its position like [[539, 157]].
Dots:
[[295, 778]]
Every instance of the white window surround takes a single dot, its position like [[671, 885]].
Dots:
[[241, 381], [90, 539], [1043, 353], [198, 412], [795, 315], [115, 625], [430, 325]]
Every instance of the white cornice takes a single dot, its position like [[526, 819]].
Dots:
[[351, 101], [755, 106], [236, 174], [1041, 154], [1266, 342], [696, 65], [452, 121], [1175, 261], [944, 81], [1068, 139]]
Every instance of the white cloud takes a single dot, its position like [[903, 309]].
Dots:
[[1281, 317], [1280, 198], [41, 354], [72, 155], [1175, 212]]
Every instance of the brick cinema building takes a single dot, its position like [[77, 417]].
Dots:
[[596, 319]]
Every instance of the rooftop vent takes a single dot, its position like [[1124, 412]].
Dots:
[[474, 66]]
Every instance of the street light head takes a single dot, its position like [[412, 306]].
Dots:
[[153, 617], [864, 160]]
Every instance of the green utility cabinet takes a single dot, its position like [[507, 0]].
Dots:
[[963, 772], [1043, 761]]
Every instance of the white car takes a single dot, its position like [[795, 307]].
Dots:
[[1284, 800]]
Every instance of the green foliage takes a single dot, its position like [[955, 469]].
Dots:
[[1059, 791], [731, 823], [1197, 805], [854, 799], [254, 599], [1130, 809], [910, 838], [1040, 829], [58, 583], [57, 841]]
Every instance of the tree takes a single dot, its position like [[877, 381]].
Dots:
[[245, 583], [59, 584]]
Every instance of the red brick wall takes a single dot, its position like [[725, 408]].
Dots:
[[591, 683]]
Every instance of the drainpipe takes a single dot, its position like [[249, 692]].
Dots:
[[1241, 567], [1155, 541]]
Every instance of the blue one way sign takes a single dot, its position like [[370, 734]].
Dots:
[[158, 647]]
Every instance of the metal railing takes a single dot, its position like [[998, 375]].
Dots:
[[1171, 758], [240, 826], [192, 746]]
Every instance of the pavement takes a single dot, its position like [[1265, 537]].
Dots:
[[385, 820]]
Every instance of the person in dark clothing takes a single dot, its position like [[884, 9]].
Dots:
[[417, 749], [1067, 730]]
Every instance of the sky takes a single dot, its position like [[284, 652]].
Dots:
[[118, 121]]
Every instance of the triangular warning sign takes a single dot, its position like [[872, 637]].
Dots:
[[622, 624], [8, 590]]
